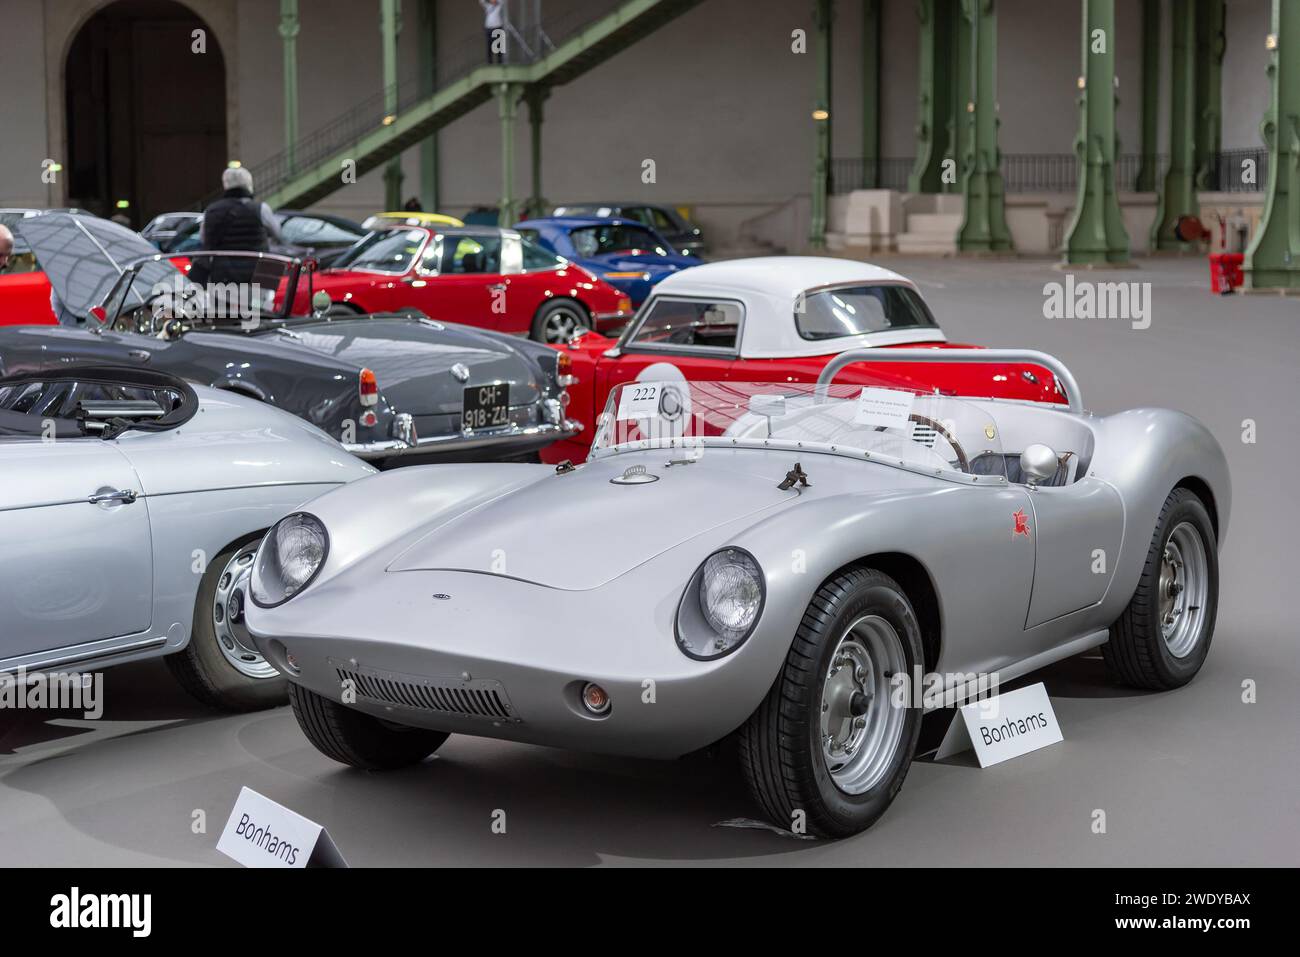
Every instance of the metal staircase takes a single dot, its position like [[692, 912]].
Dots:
[[372, 132]]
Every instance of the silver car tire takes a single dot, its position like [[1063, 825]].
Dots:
[[559, 321], [807, 764], [1162, 638], [221, 666]]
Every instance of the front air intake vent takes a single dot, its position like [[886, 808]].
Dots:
[[477, 698]]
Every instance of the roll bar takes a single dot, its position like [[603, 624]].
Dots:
[[1065, 379]]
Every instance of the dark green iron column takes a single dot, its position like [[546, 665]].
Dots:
[[1097, 234], [1149, 173], [1273, 260], [390, 23], [962, 117], [870, 60], [984, 228], [822, 15], [934, 99], [1210, 44], [430, 197], [535, 98], [1178, 197], [289, 27], [507, 95]]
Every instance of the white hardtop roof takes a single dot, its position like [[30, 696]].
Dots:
[[769, 286]]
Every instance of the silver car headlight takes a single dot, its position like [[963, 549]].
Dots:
[[721, 605], [289, 557]]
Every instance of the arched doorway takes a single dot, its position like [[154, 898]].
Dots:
[[146, 115]]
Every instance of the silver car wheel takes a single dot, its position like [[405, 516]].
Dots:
[[860, 728], [228, 617], [1184, 578], [562, 325]]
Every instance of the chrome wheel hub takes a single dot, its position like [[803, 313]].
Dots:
[[562, 325], [1182, 589], [228, 617], [860, 728]]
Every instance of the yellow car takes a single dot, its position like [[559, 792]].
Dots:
[[405, 218]]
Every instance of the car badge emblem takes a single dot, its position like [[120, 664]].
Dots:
[[1022, 522], [989, 432], [460, 371], [441, 596]]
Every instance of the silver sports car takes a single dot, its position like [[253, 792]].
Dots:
[[761, 559], [130, 507]]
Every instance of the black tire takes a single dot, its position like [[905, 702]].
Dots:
[[780, 746], [552, 313], [1137, 652], [201, 667], [354, 738]]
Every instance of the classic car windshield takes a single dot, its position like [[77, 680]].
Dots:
[[598, 240], [385, 250], [222, 289], [858, 310], [902, 427]]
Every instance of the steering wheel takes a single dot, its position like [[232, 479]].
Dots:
[[963, 462]]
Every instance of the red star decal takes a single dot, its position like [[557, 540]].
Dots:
[[1022, 522]]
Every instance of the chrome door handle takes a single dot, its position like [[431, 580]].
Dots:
[[497, 287], [140, 354], [123, 497]]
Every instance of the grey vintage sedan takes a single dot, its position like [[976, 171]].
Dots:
[[130, 507], [786, 559], [390, 387]]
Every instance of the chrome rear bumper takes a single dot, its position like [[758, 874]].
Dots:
[[526, 438]]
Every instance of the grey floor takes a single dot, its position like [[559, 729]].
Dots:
[[1191, 777]]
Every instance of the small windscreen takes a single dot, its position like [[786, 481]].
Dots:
[[897, 426]]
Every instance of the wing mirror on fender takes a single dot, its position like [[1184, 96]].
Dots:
[[1038, 463]]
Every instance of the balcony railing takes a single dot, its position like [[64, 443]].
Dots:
[[1232, 171]]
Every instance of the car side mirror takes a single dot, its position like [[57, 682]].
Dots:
[[320, 302], [1038, 463]]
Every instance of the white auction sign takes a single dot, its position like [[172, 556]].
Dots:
[[262, 833], [890, 408], [1003, 727]]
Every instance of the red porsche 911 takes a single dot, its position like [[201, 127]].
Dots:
[[476, 275]]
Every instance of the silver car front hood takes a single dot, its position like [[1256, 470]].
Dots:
[[545, 532]]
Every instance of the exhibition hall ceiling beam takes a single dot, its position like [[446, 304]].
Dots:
[[1096, 234], [1273, 259]]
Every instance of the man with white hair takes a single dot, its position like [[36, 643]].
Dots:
[[235, 221]]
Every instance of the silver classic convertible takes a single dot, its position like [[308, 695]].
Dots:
[[761, 559], [130, 506]]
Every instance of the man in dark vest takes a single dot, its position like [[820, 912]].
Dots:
[[234, 222]]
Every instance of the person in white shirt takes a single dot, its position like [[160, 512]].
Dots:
[[494, 24]]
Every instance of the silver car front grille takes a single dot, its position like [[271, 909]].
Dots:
[[477, 698]]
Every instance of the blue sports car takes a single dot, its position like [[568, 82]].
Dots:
[[626, 254]]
